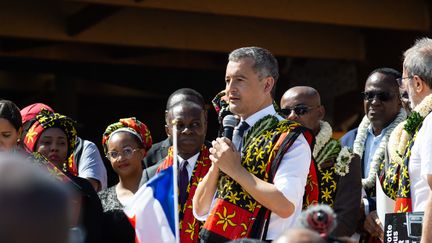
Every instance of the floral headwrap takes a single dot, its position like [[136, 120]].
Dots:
[[46, 119], [131, 125]]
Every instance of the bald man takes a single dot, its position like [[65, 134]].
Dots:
[[339, 179]]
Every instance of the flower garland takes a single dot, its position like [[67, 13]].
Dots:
[[378, 157], [405, 131], [322, 138], [343, 160]]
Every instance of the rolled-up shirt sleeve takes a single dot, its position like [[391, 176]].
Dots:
[[291, 176]]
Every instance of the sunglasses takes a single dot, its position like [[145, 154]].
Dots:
[[299, 110], [379, 95]]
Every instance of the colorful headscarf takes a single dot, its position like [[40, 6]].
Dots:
[[29, 112], [46, 119], [131, 125]]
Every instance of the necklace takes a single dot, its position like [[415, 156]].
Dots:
[[323, 136], [403, 134], [378, 157]]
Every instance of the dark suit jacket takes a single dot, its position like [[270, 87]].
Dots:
[[347, 201], [348, 140], [157, 152]]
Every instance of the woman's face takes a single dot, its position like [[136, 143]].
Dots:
[[53, 145], [8, 135], [124, 154]]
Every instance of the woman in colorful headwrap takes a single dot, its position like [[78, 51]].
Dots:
[[53, 136], [125, 145], [10, 125]]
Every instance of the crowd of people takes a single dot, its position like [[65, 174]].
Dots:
[[258, 184]]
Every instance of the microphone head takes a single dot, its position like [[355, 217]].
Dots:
[[230, 121], [320, 218]]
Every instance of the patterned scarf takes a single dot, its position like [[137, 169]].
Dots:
[[236, 214], [46, 119], [189, 226]]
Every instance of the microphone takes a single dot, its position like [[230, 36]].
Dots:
[[228, 123], [320, 218]]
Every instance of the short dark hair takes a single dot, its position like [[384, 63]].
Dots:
[[187, 94], [11, 112], [388, 72], [265, 64]]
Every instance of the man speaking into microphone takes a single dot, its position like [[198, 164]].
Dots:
[[265, 165]]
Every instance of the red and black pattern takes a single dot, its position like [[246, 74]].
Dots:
[[236, 214], [189, 226]]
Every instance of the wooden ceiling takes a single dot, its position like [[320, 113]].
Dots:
[[175, 33]]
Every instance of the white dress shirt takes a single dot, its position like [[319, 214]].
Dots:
[[290, 178], [191, 163], [420, 165]]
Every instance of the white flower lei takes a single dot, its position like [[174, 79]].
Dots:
[[343, 160], [378, 157], [345, 155], [399, 138], [323, 136]]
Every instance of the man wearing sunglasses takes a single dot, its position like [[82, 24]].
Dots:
[[382, 107], [340, 190], [258, 179]]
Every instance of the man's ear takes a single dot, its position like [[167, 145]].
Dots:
[[167, 131], [321, 111], [418, 83], [269, 83]]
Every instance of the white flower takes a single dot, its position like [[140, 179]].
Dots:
[[378, 157], [343, 160], [399, 138], [322, 137]]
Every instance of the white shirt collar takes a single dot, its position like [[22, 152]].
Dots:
[[269, 110], [191, 161]]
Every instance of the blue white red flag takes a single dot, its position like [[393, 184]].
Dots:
[[151, 210]]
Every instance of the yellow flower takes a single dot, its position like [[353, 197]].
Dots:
[[233, 197], [259, 153], [244, 194], [262, 167], [267, 135], [404, 191], [31, 134], [251, 206], [245, 229], [326, 194], [333, 186], [402, 209], [191, 229], [327, 176], [269, 146], [225, 219]]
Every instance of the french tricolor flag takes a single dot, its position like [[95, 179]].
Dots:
[[151, 210]]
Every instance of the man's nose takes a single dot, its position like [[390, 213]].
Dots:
[[292, 116]]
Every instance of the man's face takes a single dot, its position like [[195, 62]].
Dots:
[[407, 85], [382, 103], [191, 128], [294, 105], [244, 88]]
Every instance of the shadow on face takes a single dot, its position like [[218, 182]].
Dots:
[[191, 127], [53, 145], [381, 100]]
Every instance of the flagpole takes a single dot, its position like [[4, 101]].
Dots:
[[175, 171]]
